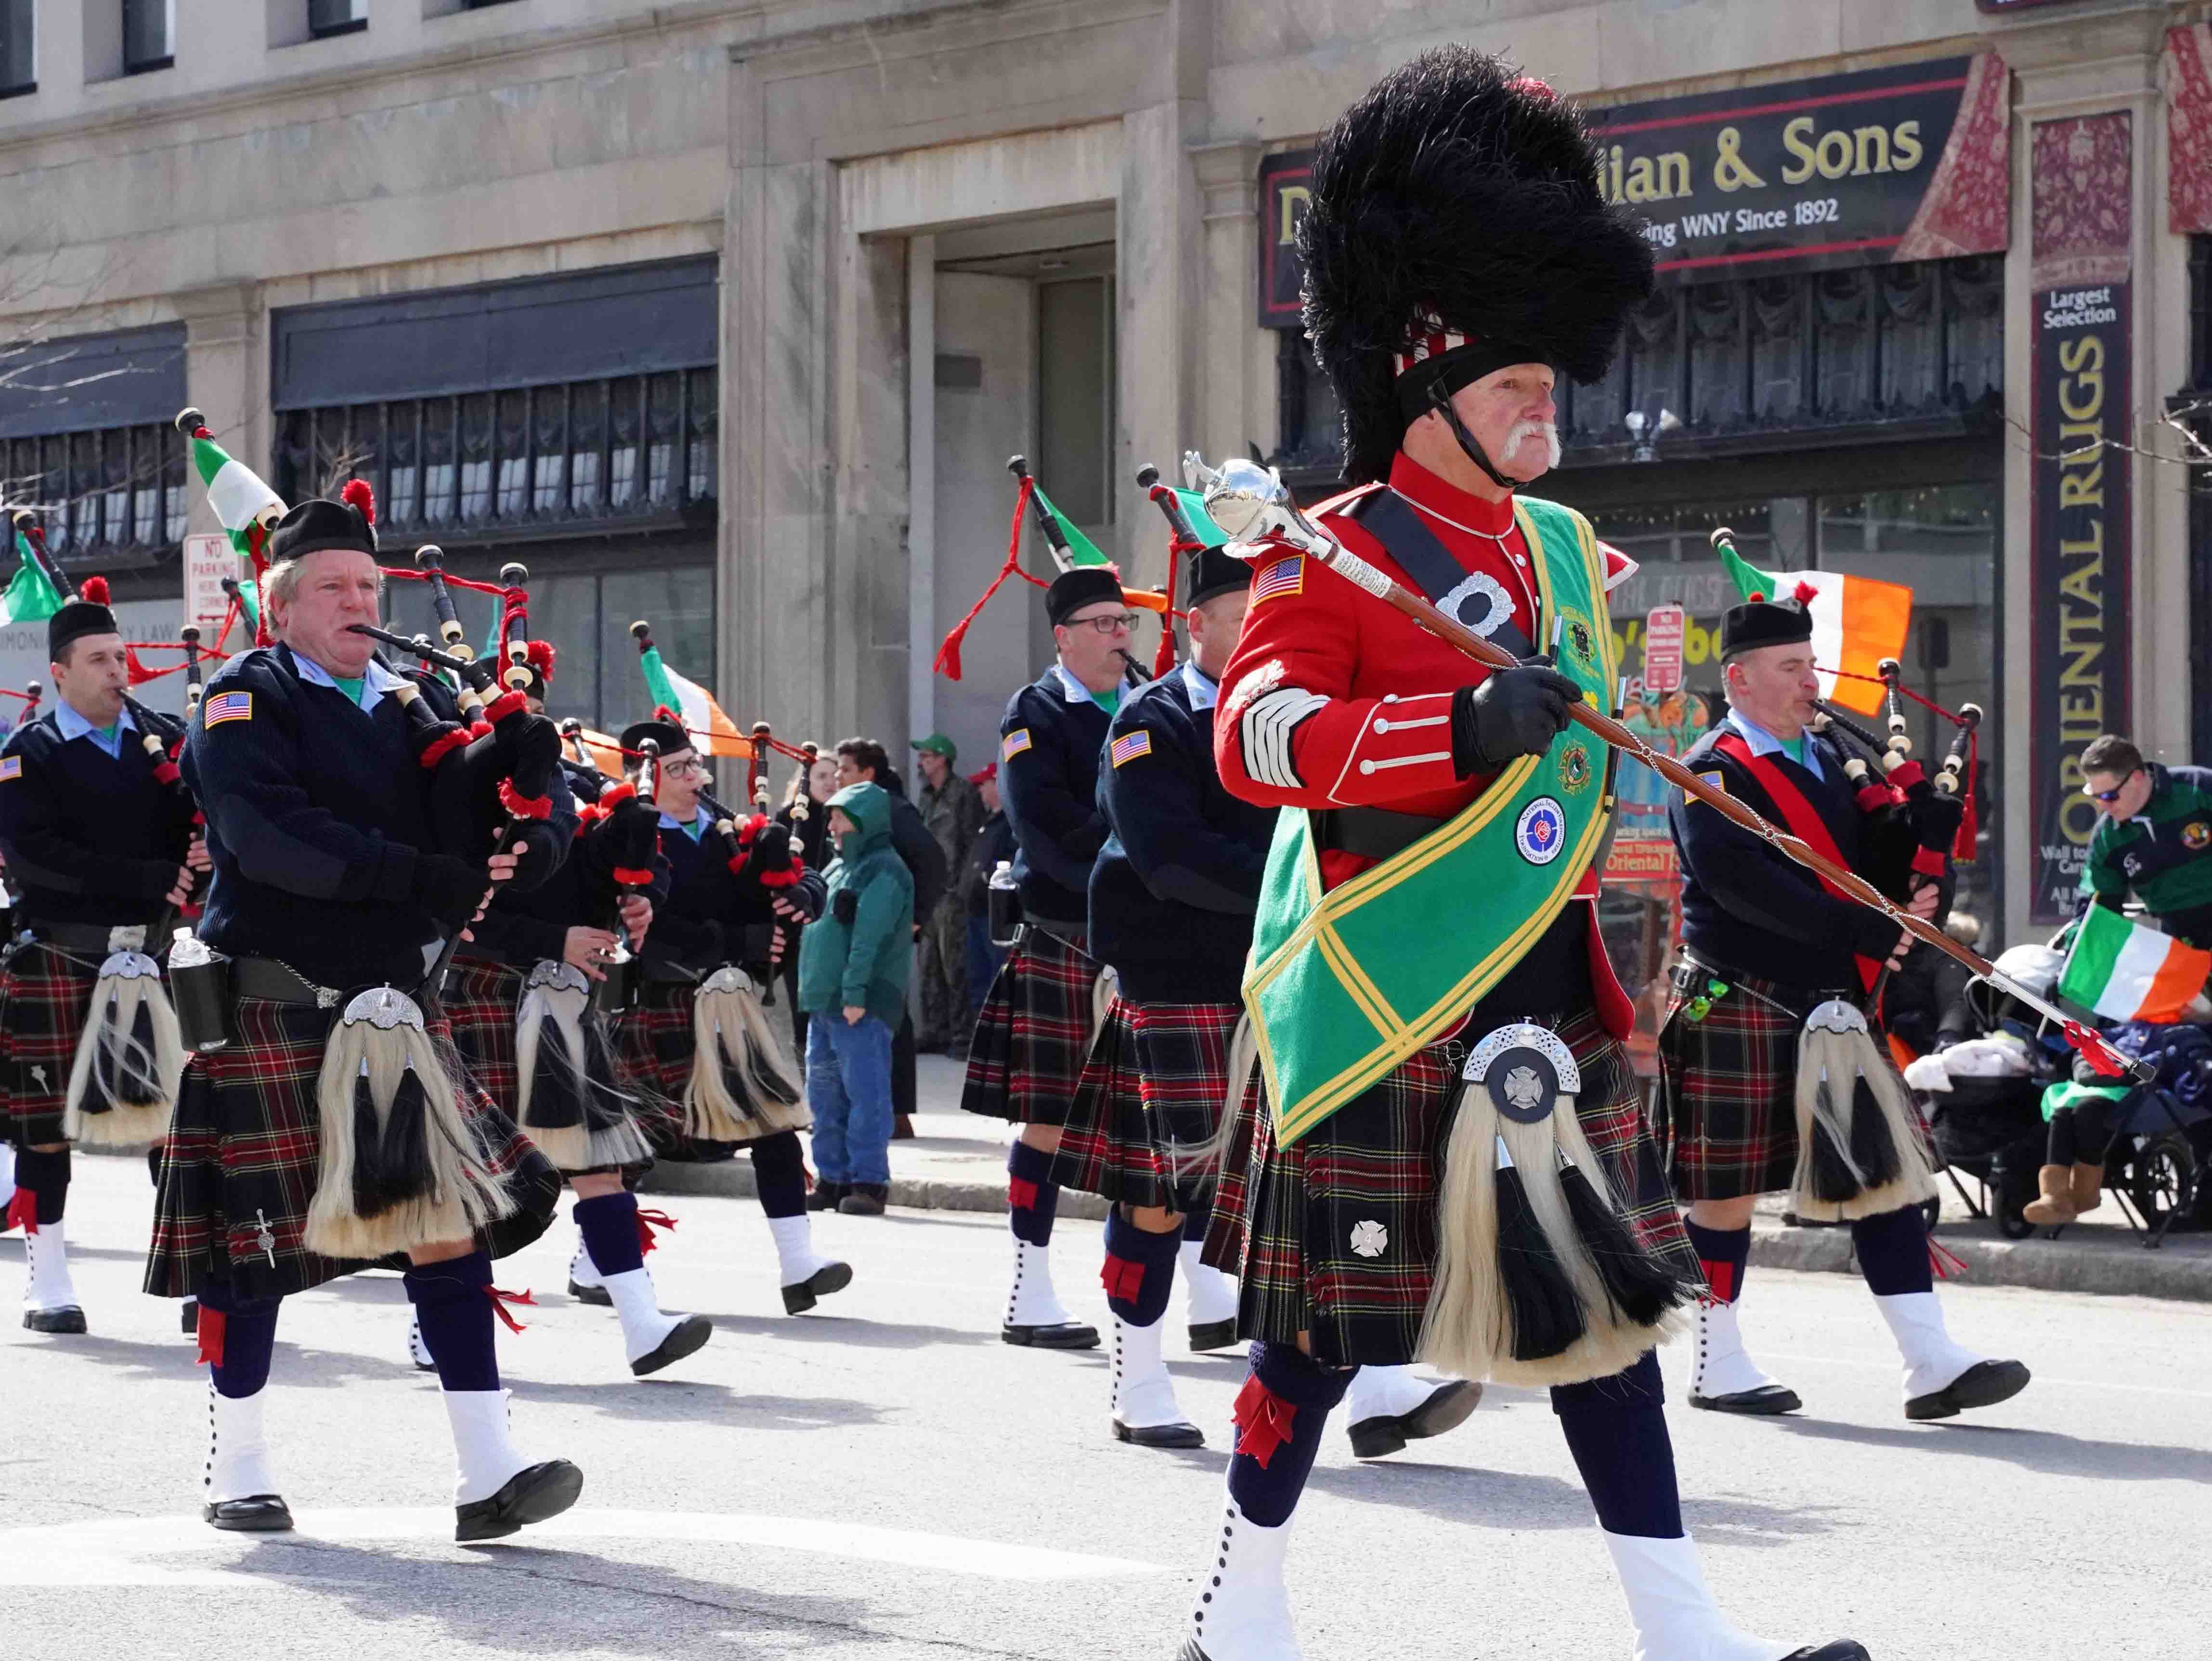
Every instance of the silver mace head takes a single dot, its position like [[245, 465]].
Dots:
[[1249, 502]]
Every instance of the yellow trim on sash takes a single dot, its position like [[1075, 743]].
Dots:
[[1401, 1038]]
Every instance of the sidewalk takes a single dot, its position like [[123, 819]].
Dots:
[[958, 1162]]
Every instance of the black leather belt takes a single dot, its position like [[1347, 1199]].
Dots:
[[265, 977], [1370, 833]]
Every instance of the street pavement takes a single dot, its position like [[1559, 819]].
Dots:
[[885, 1478]]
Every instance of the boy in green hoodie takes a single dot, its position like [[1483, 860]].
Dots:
[[853, 966]]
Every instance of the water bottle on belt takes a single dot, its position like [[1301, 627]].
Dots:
[[1005, 905]]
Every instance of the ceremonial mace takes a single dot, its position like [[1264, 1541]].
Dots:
[[1251, 502]]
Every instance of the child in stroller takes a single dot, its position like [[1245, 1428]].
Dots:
[[2157, 1135]]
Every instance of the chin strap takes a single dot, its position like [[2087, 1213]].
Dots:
[[1441, 402]]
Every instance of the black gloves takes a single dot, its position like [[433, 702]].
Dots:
[[1516, 712], [450, 889]]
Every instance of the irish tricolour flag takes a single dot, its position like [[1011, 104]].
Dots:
[[245, 505], [693, 707], [1857, 623], [2124, 972]]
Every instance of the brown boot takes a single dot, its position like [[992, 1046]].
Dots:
[[2057, 1203], [2087, 1188]]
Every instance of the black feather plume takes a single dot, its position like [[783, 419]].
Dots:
[[1637, 1282], [1833, 1179], [1873, 1151], [1546, 1310]]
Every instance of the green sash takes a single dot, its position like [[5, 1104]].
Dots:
[[1343, 987]]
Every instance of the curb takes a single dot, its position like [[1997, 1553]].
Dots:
[[733, 1179]]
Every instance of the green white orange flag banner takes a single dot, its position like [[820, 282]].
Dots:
[[693, 706], [29, 599], [2126, 972], [1081, 550], [234, 491], [1857, 623]]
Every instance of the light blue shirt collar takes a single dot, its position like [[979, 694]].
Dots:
[[1764, 742], [74, 726], [1202, 687], [669, 822], [1072, 689], [375, 682]]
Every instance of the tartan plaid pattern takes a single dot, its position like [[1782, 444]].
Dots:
[[481, 997], [246, 1148], [44, 993], [1027, 1055], [653, 1052], [1727, 1117], [1380, 1160], [1155, 1082]]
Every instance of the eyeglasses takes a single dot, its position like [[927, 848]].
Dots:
[[2109, 796], [681, 769], [1112, 622]]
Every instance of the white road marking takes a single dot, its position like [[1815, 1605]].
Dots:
[[111, 1552]]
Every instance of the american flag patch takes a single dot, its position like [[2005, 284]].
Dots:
[[1130, 746], [12, 767], [227, 707], [1285, 576], [1013, 743]]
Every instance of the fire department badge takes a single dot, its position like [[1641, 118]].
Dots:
[[1541, 832]]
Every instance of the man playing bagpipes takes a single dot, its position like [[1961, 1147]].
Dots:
[[98, 833], [1772, 1079], [1447, 1161], [325, 1123], [528, 1021], [697, 1034]]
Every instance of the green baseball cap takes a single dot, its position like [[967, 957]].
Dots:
[[938, 745]]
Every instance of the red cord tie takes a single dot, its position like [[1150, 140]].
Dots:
[[1122, 1278], [213, 1324], [1943, 1262], [499, 1301], [1264, 1421], [2095, 1051], [647, 1222], [23, 1211]]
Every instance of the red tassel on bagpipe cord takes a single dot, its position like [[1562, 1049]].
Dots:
[[647, 1222], [1969, 820], [521, 806], [499, 1301], [1263, 1421], [444, 745], [948, 655], [1164, 659], [786, 877]]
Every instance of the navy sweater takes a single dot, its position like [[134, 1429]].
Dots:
[[525, 926], [90, 838], [1750, 908], [705, 921], [1174, 889], [1048, 751], [316, 814]]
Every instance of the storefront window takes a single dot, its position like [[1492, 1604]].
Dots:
[[116, 494]]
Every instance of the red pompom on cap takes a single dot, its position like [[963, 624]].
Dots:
[[1806, 592], [95, 589], [359, 496]]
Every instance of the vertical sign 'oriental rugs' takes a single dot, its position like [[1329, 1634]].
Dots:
[[2083, 172]]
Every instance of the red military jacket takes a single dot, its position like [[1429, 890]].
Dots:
[[1335, 699]]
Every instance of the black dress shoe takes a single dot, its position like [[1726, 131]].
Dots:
[[598, 1295], [1448, 1406], [262, 1513], [864, 1199], [802, 1295], [1055, 1335], [1213, 1335], [691, 1333], [191, 1321], [530, 1496], [68, 1318], [1764, 1402], [1983, 1384], [826, 1196], [1174, 1435], [1838, 1649]]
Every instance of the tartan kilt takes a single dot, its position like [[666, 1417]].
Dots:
[[1379, 1159], [481, 998], [1727, 1116], [1154, 1083], [44, 994], [654, 1046], [245, 1147], [1026, 1057]]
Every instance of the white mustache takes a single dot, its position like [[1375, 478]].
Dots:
[[1529, 429]]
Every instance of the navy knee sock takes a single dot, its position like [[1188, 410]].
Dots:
[[1616, 1428], [1198, 1219], [609, 1224], [47, 1177], [1140, 1269], [780, 1174], [1032, 1196], [1280, 1414], [1724, 1253], [237, 1338], [1892, 1250], [452, 1305]]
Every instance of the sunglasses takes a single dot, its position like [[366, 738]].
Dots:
[[2109, 796]]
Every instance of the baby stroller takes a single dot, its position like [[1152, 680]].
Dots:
[[2161, 1147], [1982, 1092]]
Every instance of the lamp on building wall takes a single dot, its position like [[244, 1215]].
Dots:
[[1648, 430]]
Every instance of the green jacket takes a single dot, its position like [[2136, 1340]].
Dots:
[[859, 950], [2165, 853]]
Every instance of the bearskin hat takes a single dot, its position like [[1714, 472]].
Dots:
[[1456, 221]]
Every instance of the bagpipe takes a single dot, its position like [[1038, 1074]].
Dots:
[[1533, 1275], [1917, 827]]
